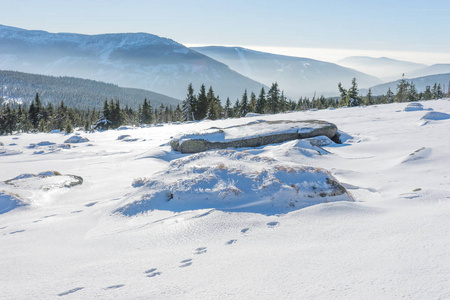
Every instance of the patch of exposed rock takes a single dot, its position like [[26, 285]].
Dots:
[[254, 134]]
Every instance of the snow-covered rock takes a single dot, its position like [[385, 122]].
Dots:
[[234, 181], [76, 139], [254, 134], [414, 106], [435, 116], [46, 181]]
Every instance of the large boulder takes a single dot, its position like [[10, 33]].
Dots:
[[254, 134]]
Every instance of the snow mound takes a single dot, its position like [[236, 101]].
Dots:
[[9, 202], [76, 139], [46, 181], [418, 154], [123, 136], [7, 152], [413, 106], [234, 181], [435, 116]]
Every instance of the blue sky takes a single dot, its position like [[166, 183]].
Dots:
[[327, 29]]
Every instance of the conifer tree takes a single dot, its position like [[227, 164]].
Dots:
[[189, 105], [273, 98], [252, 103], [202, 104], [343, 93], [369, 99], [228, 109], [402, 90], [352, 98], [146, 116], [261, 102], [35, 112], [243, 109], [389, 96]]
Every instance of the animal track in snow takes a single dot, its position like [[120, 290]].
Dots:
[[186, 264], [76, 211], [114, 286], [200, 250], [245, 230], [90, 204], [71, 291], [230, 242], [273, 224], [49, 216], [152, 272]]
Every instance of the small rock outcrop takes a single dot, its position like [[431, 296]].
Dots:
[[254, 134], [76, 139]]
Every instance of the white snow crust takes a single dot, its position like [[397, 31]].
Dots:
[[391, 242]]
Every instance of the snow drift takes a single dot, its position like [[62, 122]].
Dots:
[[241, 182], [9, 202]]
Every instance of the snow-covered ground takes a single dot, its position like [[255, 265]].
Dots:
[[58, 239]]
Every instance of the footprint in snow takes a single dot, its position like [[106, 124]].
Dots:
[[273, 224], [90, 204], [245, 230], [185, 263], [49, 216], [71, 291], [152, 272], [114, 286], [230, 242], [17, 231], [36, 221], [200, 250], [76, 211]]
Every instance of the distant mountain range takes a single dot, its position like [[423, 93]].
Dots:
[[161, 65], [296, 76], [137, 60], [420, 83], [18, 87], [382, 67], [430, 70]]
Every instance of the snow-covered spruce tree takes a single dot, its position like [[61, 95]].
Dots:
[[228, 110], [273, 99], [35, 112], [188, 105], [243, 110], [146, 115], [202, 104], [389, 96], [352, 97], [252, 103], [261, 102]]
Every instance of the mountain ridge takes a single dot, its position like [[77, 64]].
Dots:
[[22, 87], [136, 60], [297, 76]]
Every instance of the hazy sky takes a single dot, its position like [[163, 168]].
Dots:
[[323, 29]]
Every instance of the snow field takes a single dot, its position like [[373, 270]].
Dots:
[[391, 242]]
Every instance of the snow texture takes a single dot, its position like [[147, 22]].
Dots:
[[234, 181], [117, 237]]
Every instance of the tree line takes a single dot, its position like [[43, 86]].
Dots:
[[38, 117]]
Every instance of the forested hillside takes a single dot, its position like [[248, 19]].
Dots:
[[75, 92]]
